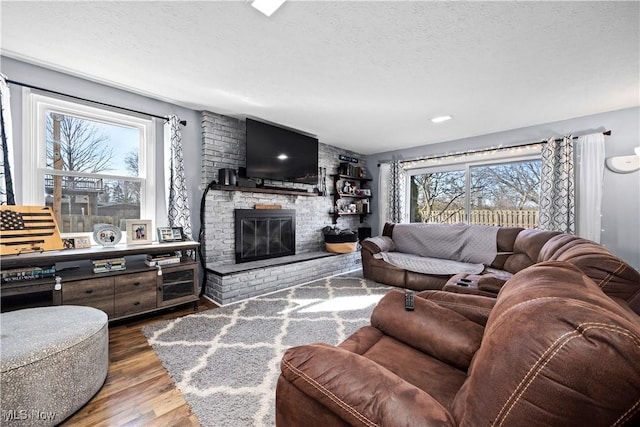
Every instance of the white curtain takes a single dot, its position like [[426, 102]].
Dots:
[[383, 195], [178, 212], [6, 156], [557, 186], [589, 175]]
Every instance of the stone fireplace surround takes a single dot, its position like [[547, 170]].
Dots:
[[223, 146]]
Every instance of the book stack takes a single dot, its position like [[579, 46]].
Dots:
[[109, 265], [162, 259], [27, 273]]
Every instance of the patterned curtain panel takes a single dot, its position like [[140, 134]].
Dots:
[[557, 188], [589, 176], [178, 211], [6, 160], [396, 191]]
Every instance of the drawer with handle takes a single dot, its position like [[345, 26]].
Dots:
[[96, 293], [135, 293]]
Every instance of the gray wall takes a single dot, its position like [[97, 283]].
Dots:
[[621, 199], [70, 85]]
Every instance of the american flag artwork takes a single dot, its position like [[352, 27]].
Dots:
[[28, 229]]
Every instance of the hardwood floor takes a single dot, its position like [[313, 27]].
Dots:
[[138, 391]]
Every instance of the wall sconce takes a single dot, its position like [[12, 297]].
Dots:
[[624, 164]]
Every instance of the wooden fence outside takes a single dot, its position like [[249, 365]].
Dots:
[[503, 218]]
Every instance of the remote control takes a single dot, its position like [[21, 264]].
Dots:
[[408, 300]]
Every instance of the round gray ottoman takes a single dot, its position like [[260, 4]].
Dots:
[[52, 361]]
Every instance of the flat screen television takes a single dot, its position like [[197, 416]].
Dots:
[[280, 154]]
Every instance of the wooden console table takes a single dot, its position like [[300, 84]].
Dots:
[[137, 290]]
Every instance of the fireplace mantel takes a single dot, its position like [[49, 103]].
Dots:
[[269, 190]]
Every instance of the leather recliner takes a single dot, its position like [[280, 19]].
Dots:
[[518, 249], [551, 350]]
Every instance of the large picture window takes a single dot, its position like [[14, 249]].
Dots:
[[502, 193], [90, 164]]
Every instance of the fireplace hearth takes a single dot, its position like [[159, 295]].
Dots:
[[264, 233]]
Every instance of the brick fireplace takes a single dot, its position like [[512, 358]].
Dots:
[[223, 146]]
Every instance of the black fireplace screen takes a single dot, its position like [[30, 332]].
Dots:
[[264, 233]]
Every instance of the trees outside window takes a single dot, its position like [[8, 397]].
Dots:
[[505, 194], [88, 163]]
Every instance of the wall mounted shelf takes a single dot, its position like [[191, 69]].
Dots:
[[268, 190], [338, 194]]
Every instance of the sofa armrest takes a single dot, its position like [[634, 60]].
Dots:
[[378, 244], [358, 390], [473, 307], [440, 332]]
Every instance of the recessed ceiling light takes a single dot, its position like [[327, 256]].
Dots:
[[283, 157], [267, 6], [441, 119]]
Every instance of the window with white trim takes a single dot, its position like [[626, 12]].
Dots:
[[91, 164], [502, 190]]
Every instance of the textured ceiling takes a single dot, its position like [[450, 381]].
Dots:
[[365, 76]]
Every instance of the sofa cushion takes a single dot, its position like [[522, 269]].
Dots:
[[358, 390], [615, 277], [562, 345], [437, 331]]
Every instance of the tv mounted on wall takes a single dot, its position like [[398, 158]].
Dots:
[[280, 154]]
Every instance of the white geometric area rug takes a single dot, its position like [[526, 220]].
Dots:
[[226, 361]]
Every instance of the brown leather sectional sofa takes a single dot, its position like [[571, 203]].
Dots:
[[518, 249], [551, 350]]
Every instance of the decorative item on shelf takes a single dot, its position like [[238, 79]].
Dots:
[[82, 242], [106, 235], [260, 206], [162, 259], [323, 183], [139, 231], [28, 229], [366, 206], [347, 158], [109, 265], [76, 242], [348, 169], [170, 234]]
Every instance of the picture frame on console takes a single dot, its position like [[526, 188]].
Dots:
[[170, 234], [138, 231], [76, 242]]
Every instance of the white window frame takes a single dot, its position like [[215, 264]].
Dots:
[[35, 107], [465, 162]]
